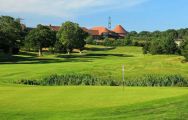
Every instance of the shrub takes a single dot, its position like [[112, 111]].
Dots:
[[89, 40], [185, 52], [158, 80], [145, 49], [162, 45], [116, 42], [70, 79], [58, 47], [89, 80], [108, 42], [51, 50], [28, 82]]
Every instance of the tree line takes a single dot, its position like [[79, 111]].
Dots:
[[14, 36], [164, 42], [158, 42]]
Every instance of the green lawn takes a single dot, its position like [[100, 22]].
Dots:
[[98, 61], [18, 102], [57, 103]]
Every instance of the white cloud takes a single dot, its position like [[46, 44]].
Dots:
[[64, 8]]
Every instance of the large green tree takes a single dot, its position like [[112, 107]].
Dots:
[[72, 36], [163, 45], [173, 34], [156, 47], [184, 48], [185, 52], [10, 30], [40, 37], [169, 45]]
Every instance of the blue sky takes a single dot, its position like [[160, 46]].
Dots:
[[138, 15]]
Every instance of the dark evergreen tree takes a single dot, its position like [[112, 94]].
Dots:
[[10, 30]]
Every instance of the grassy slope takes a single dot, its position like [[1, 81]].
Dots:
[[99, 61], [55, 103]]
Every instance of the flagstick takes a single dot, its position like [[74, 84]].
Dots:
[[123, 76]]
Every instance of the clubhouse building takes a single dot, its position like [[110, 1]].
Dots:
[[101, 32]]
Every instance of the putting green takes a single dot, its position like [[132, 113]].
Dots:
[[24, 102]]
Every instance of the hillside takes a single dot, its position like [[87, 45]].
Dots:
[[20, 102], [96, 60]]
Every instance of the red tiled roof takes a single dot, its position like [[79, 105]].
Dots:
[[91, 32], [120, 30], [84, 29], [97, 31], [55, 28], [100, 30]]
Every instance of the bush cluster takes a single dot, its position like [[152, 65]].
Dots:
[[163, 45], [89, 80], [115, 42], [28, 82], [184, 48], [158, 80], [70, 79]]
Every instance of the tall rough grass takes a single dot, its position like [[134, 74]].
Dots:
[[158, 80], [89, 80], [70, 79]]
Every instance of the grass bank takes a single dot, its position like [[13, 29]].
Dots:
[[98, 61], [20, 102]]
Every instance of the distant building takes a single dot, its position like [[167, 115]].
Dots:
[[120, 31], [23, 26], [101, 32], [178, 41], [54, 28]]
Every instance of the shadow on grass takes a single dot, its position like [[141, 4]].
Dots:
[[31, 54], [100, 49], [93, 55], [184, 61], [31, 58], [35, 60]]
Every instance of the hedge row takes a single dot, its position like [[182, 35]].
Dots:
[[89, 80]]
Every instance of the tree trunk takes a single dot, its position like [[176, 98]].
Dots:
[[10, 50], [80, 52], [40, 51], [68, 51]]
